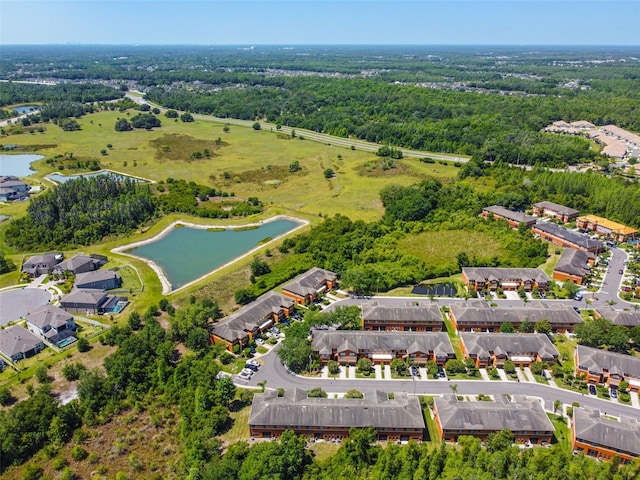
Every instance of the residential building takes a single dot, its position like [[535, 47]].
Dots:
[[554, 210], [414, 316], [42, 264], [603, 437], [612, 230], [623, 135], [307, 287], [608, 368], [17, 343], [396, 419], [573, 266], [522, 415], [252, 320], [481, 278], [515, 219], [348, 346], [51, 323], [98, 279], [492, 350], [562, 237], [480, 317], [11, 188], [92, 301], [626, 318], [583, 124], [81, 264]]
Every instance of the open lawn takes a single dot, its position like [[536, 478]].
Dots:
[[322, 450], [562, 433], [239, 431], [442, 247]]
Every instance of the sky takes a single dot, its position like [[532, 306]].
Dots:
[[321, 22]]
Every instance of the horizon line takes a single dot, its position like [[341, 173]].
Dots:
[[255, 45]]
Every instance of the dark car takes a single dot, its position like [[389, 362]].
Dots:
[[620, 271], [592, 389], [251, 366]]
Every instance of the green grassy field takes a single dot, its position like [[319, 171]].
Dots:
[[256, 162], [442, 247]]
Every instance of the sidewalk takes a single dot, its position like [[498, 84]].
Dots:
[[529, 375], [378, 370], [484, 374], [552, 382], [521, 376], [387, 372], [423, 373], [634, 399], [502, 375]]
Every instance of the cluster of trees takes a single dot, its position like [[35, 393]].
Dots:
[[81, 212], [66, 109], [189, 197], [602, 333]]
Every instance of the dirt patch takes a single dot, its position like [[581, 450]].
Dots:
[[176, 146], [378, 168]]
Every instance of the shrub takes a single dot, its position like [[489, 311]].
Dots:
[[83, 345], [353, 393], [317, 392], [72, 371], [78, 453], [59, 463], [334, 367]]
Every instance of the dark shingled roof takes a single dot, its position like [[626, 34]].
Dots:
[[48, 315], [511, 344], [519, 217], [521, 413], [16, 339], [570, 236], [568, 211], [235, 326], [478, 312], [377, 411], [622, 435], [619, 317], [95, 276], [309, 282], [374, 342], [87, 296], [596, 360], [425, 312], [574, 262], [505, 274], [78, 261]]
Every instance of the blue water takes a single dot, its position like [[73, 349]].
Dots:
[[186, 254], [17, 165], [24, 109], [58, 178]]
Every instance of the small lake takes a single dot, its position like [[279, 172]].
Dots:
[[58, 178], [24, 109], [185, 253], [17, 165]]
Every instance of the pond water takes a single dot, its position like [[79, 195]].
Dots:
[[24, 109], [59, 178], [185, 254], [17, 165]]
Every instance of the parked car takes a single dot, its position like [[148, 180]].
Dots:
[[414, 372], [592, 389], [254, 362], [259, 341], [253, 368], [614, 393], [441, 373], [247, 371], [244, 375], [620, 271]]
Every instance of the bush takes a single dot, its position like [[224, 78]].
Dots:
[[256, 126], [72, 371], [78, 453], [353, 393], [334, 367], [317, 392], [6, 398], [42, 375], [59, 463], [83, 345]]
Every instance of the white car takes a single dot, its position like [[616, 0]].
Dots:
[[245, 375], [246, 371], [253, 362], [259, 341]]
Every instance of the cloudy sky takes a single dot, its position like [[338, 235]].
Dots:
[[321, 22]]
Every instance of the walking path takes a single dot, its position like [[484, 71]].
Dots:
[[484, 374]]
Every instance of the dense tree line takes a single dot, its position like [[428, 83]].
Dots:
[[13, 93], [81, 212]]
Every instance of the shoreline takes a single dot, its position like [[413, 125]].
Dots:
[[167, 288], [94, 173]]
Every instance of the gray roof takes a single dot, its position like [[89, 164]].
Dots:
[[76, 262], [236, 325], [511, 344], [16, 339], [46, 258], [9, 181], [85, 296], [521, 413], [479, 312], [48, 315], [620, 317], [483, 274], [309, 282], [568, 211], [376, 410], [570, 236], [95, 276], [520, 217], [355, 341], [574, 262], [596, 360], [412, 311], [623, 435]]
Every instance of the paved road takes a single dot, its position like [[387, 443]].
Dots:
[[277, 376], [311, 135]]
